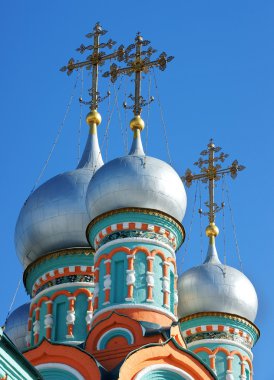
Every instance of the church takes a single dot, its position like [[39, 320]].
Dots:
[[98, 248]]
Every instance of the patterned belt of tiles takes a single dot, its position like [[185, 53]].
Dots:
[[63, 275], [218, 332], [134, 229]]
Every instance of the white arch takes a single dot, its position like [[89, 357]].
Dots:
[[168, 367], [116, 329], [60, 366]]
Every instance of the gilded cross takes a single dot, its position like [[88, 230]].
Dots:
[[138, 62], [210, 172], [93, 61]]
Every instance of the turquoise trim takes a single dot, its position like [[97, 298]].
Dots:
[[57, 374], [221, 358], [52, 263], [220, 320], [162, 374], [113, 334], [118, 287], [13, 363], [136, 216]]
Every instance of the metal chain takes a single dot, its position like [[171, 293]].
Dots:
[[191, 223], [125, 112], [107, 135], [223, 216], [162, 117], [148, 111], [81, 117], [58, 135], [201, 223], [13, 299], [120, 120], [233, 227]]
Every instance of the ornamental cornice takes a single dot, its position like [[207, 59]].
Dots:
[[54, 255], [145, 211], [233, 317]]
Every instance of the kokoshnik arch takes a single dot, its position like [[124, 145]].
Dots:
[[98, 245]]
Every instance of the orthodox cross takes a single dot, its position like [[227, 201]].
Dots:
[[96, 59], [138, 62], [211, 171]]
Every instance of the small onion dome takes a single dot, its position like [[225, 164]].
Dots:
[[54, 216], [214, 287], [136, 180], [16, 327]]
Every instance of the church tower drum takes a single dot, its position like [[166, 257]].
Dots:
[[217, 303]]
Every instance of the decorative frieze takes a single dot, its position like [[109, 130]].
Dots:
[[134, 229], [218, 332], [63, 275]]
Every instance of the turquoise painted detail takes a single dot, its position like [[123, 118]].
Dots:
[[55, 374], [137, 216], [119, 272], [162, 374], [118, 291], [80, 327], [59, 314], [171, 289], [221, 358], [158, 295], [60, 309], [57, 262], [221, 365], [221, 320], [13, 363], [102, 273], [140, 286], [114, 333]]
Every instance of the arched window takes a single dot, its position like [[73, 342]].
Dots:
[[158, 280], [110, 335], [58, 371], [221, 364], [140, 286], [171, 283], [163, 372], [80, 327], [60, 308], [118, 277]]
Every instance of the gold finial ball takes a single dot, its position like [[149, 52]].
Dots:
[[212, 230], [137, 123], [93, 117]]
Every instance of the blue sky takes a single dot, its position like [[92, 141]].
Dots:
[[220, 85]]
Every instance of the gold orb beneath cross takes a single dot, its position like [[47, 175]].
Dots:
[[212, 230], [93, 117], [137, 123]]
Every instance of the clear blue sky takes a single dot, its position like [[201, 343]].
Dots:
[[220, 85]]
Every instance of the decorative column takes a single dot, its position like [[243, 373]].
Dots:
[[48, 319], [36, 325], [229, 371], [166, 284], [89, 314], [212, 362], [123, 239], [96, 288], [150, 278], [70, 319], [107, 282], [130, 279], [50, 281]]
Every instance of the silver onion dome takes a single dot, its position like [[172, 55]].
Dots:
[[136, 180], [55, 216], [214, 287], [16, 327]]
